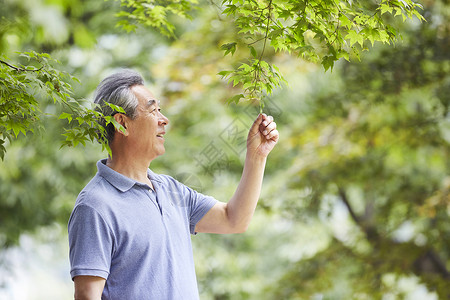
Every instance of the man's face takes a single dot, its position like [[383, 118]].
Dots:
[[146, 131]]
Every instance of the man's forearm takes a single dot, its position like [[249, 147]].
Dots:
[[235, 216], [242, 205]]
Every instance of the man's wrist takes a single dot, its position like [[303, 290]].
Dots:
[[255, 158]]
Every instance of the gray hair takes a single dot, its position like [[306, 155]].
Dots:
[[116, 89]]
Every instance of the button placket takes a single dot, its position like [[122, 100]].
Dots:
[[156, 192], [152, 196]]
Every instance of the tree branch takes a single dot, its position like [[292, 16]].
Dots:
[[20, 69], [369, 229], [430, 262], [344, 199]]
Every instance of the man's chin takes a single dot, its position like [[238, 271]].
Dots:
[[158, 153], [161, 151]]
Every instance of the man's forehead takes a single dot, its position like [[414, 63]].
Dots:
[[145, 95]]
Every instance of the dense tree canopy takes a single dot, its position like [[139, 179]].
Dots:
[[356, 195], [314, 30], [319, 31]]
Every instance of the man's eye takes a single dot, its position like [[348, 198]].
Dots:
[[154, 110]]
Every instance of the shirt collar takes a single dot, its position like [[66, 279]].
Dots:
[[119, 181]]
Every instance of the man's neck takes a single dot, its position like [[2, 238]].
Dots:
[[131, 168]]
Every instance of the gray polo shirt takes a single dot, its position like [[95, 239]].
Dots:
[[137, 238]]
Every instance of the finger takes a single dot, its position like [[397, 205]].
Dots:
[[266, 120], [269, 128], [273, 135], [256, 124]]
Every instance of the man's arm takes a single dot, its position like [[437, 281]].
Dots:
[[88, 287], [235, 216]]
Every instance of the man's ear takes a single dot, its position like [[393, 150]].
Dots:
[[122, 120]]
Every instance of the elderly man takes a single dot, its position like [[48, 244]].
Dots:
[[129, 232]]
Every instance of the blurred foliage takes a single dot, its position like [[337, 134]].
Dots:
[[367, 144], [379, 144], [355, 203]]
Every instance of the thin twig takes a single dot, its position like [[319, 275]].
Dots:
[[257, 70], [254, 42], [20, 69]]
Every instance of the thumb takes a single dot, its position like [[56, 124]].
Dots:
[[255, 126]]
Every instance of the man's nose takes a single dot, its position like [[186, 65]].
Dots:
[[163, 120]]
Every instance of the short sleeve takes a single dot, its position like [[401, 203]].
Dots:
[[90, 242], [199, 205]]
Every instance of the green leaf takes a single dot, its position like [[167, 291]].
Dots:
[[345, 21], [253, 51], [229, 48], [16, 127], [343, 54], [224, 73], [328, 62], [115, 107], [2, 149], [235, 98], [65, 116], [354, 37], [385, 8]]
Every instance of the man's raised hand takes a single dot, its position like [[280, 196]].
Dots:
[[262, 137]]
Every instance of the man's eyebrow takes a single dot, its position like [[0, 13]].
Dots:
[[152, 102]]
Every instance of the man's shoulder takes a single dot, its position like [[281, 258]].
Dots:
[[95, 191]]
